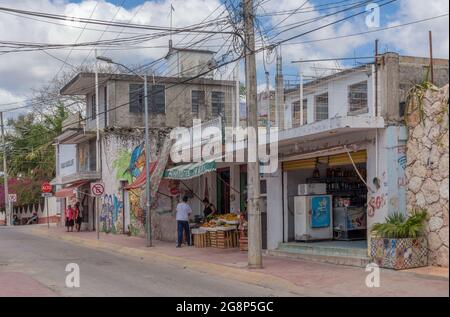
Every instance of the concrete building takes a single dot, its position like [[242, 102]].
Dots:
[[173, 102], [357, 113]]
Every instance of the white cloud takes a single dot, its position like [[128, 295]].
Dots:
[[20, 72], [24, 71]]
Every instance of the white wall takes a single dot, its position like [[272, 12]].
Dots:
[[337, 97]]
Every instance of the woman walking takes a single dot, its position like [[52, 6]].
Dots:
[[69, 218]]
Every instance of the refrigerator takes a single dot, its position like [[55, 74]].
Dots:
[[313, 217]]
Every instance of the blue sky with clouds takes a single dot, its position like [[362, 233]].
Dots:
[[16, 84]]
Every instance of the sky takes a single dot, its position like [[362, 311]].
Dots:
[[22, 72]]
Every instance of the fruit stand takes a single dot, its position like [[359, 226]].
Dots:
[[219, 231]]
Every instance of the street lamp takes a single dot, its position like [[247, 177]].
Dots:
[[147, 146]]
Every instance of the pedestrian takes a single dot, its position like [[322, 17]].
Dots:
[[69, 218], [209, 210], [182, 217], [78, 216]]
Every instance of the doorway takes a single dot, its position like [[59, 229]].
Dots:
[[223, 190]]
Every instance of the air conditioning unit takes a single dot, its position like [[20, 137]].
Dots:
[[312, 189]]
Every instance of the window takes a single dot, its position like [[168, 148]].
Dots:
[[156, 98], [93, 107], [305, 111], [297, 114], [218, 103], [321, 102], [357, 97], [198, 101], [92, 155]]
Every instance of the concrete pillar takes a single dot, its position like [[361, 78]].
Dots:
[[388, 87], [279, 94], [274, 209]]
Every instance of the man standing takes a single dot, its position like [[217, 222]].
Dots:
[[183, 213]]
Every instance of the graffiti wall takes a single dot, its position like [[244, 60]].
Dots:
[[123, 211]]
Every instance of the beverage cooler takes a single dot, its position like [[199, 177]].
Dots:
[[313, 217]]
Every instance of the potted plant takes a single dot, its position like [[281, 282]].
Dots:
[[399, 242]]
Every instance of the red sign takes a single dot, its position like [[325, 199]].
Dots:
[[46, 187], [97, 189]]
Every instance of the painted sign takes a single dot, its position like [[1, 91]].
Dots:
[[320, 211]]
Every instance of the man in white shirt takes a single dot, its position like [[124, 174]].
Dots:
[[183, 213]]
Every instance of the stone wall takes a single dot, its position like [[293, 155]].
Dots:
[[428, 169]]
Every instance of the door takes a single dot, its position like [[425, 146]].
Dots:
[[223, 190]]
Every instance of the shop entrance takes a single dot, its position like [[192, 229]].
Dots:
[[223, 191], [327, 200]]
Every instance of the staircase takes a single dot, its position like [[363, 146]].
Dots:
[[334, 252]]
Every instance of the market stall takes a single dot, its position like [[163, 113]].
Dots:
[[220, 231]]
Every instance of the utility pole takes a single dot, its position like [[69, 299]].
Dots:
[[98, 154], [430, 36], [253, 205], [5, 175], [147, 168]]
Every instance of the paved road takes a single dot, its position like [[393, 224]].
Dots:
[[32, 265]]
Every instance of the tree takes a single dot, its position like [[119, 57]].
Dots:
[[30, 152]]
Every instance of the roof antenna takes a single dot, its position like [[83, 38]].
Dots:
[[172, 10]]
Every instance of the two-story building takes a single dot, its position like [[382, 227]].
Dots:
[[174, 101], [345, 131]]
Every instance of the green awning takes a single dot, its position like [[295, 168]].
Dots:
[[188, 171]]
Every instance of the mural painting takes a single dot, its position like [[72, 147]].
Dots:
[[128, 166]]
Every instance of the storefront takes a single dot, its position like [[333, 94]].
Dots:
[[326, 197], [224, 185]]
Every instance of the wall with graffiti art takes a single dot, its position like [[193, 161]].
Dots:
[[122, 208]]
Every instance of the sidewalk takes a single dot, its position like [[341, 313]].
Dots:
[[299, 277]]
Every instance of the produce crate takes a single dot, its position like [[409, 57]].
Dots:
[[224, 239], [243, 240], [202, 240]]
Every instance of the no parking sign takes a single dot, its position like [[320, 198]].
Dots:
[[97, 189]]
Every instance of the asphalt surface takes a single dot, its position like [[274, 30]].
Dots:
[[32, 263]]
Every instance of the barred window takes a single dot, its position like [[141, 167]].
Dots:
[[297, 115], [218, 103], [198, 102], [357, 97], [321, 107], [156, 98], [93, 107]]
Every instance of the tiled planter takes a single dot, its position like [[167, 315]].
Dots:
[[399, 254]]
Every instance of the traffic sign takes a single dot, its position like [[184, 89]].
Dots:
[[12, 198], [46, 187], [97, 189]]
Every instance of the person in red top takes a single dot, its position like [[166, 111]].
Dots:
[[70, 213]]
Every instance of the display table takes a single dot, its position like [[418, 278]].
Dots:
[[201, 239], [224, 239]]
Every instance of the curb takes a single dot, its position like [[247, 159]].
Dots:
[[241, 275]]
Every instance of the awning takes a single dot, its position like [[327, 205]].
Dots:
[[140, 180], [188, 171], [343, 159], [69, 190]]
